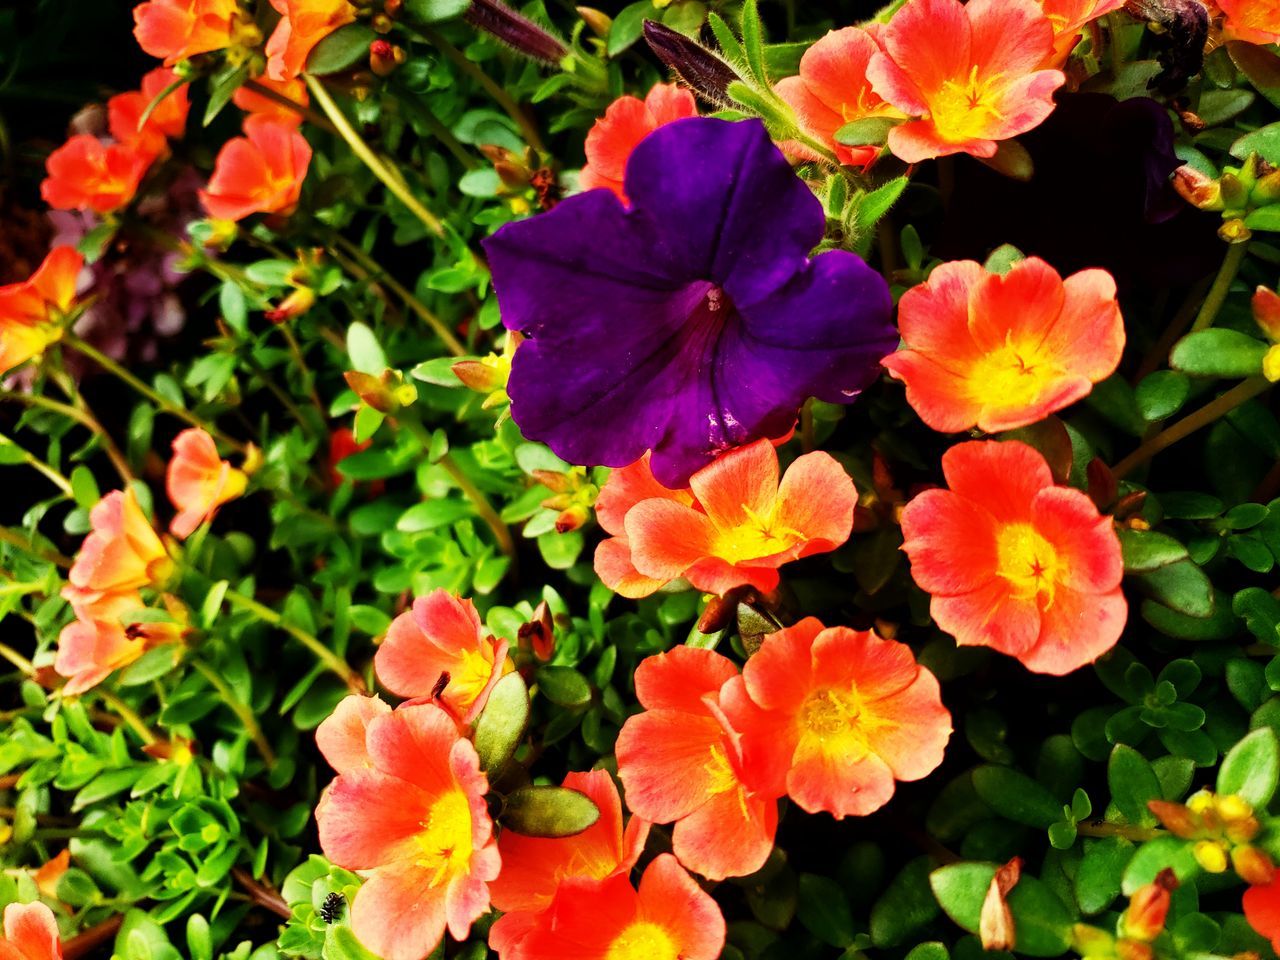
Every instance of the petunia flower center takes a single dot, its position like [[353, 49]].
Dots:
[[1028, 561], [1012, 376], [444, 844], [966, 110], [831, 712], [643, 941], [760, 536]]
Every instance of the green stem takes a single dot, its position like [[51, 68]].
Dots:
[[1102, 828], [322, 653], [50, 474], [242, 712], [371, 159], [16, 539], [17, 659], [1237, 395], [279, 98], [129, 716], [1221, 286], [82, 416]]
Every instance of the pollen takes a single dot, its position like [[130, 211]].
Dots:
[[760, 536], [1015, 375], [830, 713], [643, 941], [444, 844], [1028, 562], [966, 110]]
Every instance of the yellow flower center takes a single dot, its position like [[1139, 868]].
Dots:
[[643, 941], [467, 681], [1028, 562], [1014, 375], [830, 712], [724, 779], [444, 845], [760, 536], [966, 110]]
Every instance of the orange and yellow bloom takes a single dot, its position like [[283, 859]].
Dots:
[[90, 650], [441, 649], [261, 172], [167, 121], [175, 30], [626, 122], [1001, 352], [198, 481], [1255, 21], [260, 107], [1015, 562], [1262, 910], [32, 312], [669, 918], [832, 90], [303, 24], [969, 73], [534, 867], [681, 762], [122, 552], [87, 174], [30, 933], [736, 525], [407, 811], [835, 716], [1069, 18]]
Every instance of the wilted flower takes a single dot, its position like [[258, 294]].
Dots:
[[1148, 907], [87, 174], [198, 481], [694, 320], [1001, 352], [681, 762], [626, 122], [996, 926], [261, 172], [1015, 562], [971, 73], [31, 933], [303, 24], [833, 716]]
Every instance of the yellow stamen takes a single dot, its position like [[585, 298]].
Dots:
[[966, 111], [760, 536], [444, 845], [1028, 562], [643, 941]]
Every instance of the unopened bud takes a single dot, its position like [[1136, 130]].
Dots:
[[571, 518], [1234, 231], [1252, 865], [1266, 311], [539, 635], [384, 57], [516, 30], [1149, 906], [381, 23], [295, 304], [1271, 364], [1198, 189], [1178, 819], [1211, 855], [597, 21]]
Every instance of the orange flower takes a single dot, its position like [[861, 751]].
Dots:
[[736, 525], [1014, 562], [30, 933], [1255, 21], [31, 312], [261, 108], [669, 918], [1068, 18], [178, 29], [970, 73], [261, 172], [303, 24], [1001, 352], [832, 90], [50, 872], [533, 867], [198, 482], [89, 651], [681, 762], [1262, 910], [87, 174], [123, 551], [834, 716], [167, 120], [626, 122], [442, 637], [408, 813]]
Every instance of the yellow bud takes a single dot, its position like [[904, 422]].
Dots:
[[1211, 855], [1271, 364]]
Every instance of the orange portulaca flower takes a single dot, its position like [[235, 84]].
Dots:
[[834, 716], [90, 650], [30, 933], [1000, 352], [167, 121], [626, 122], [1068, 18], [198, 481], [736, 525], [303, 24], [1262, 910], [122, 552], [1014, 562], [680, 761], [177, 29], [87, 174], [32, 311], [442, 640], [261, 172], [260, 108], [832, 90], [970, 73], [407, 811], [1255, 21], [534, 867], [669, 918]]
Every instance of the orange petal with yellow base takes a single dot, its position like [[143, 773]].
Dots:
[[167, 119], [87, 174], [178, 29], [261, 172], [123, 552], [198, 481], [89, 651], [1254, 21], [303, 24], [626, 122], [1068, 18]]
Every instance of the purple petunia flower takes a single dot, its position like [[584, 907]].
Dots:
[[692, 321]]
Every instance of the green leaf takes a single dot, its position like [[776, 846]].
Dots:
[[341, 50], [1145, 550], [1264, 218], [1097, 880], [627, 26], [1133, 782], [870, 207], [1218, 352], [1251, 769], [1003, 258], [199, 941], [1153, 856], [1259, 65], [1041, 921], [1181, 586], [1261, 613], [931, 950], [502, 723], [1265, 142], [548, 812], [340, 943], [1016, 797], [84, 487], [1161, 394], [564, 686], [824, 910], [906, 906], [753, 41], [221, 87], [869, 131], [364, 349], [434, 11]]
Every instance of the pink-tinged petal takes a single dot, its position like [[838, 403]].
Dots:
[[467, 898], [626, 487], [1086, 544], [714, 575], [341, 735], [845, 782], [617, 572], [780, 674], [892, 84], [1077, 629], [876, 667], [766, 739], [731, 835], [909, 730], [929, 41], [414, 743], [32, 930], [934, 316], [1008, 37], [920, 140], [449, 622], [1026, 300], [816, 498], [667, 538], [669, 898], [951, 542], [1004, 477], [938, 396], [664, 762], [367, 819], [667, 102], [680, 678], [1025, 103], [989, 617], [407, 662], [397, 914], [1090, 336], [738, 484]]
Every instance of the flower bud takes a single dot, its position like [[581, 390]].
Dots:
[[706, 73], [1234, 231], [381, 23], [597, 21], [1266, 311], [1178, 819], [516, 31], [1211, 855], [1134, 950], [539, 635], [995, 923], [1252, 865], [1148, 908], [572, 517], [295, 304], [384, 57], [1198, 189], [386, 393]]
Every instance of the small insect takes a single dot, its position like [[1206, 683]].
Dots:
[[331, 909]]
